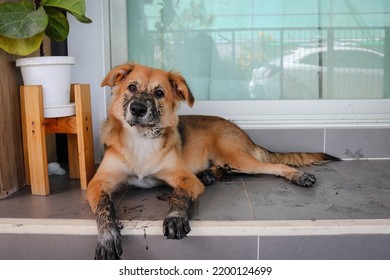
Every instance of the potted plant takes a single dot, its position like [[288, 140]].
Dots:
[[23, 26]]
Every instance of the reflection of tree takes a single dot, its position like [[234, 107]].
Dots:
[[194, 17], [167, 15], [191, 18], [254, 52], [178, 36]]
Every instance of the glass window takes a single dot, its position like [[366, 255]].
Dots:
[[257, 50]]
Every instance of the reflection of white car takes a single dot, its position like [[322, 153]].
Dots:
[[307, 74]]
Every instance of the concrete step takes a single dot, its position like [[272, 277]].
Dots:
[[271, 240]]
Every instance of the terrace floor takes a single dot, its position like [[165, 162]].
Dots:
[[346, 192]]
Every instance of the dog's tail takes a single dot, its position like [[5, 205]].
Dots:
[[297, 159]]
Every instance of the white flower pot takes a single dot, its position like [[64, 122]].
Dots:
[[54, 74]]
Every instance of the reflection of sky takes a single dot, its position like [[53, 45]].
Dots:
[[285, 13]]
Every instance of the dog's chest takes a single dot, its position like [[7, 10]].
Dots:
[[144, 156]]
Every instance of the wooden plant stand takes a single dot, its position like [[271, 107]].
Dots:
[[78, 129]]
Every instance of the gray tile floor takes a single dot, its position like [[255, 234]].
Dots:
[[344, 190]]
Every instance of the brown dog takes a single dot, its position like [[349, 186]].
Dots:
[[148, 144]]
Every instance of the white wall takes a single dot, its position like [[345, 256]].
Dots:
[[89, 44]]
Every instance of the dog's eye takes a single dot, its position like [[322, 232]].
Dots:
[[159, 93], [132, 87]]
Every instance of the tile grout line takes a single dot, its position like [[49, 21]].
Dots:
[[258, 247], [324, 144], [124, 194], [339, 171], [248, 198]]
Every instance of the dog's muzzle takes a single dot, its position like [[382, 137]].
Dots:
[[138, 109], [141, 112]]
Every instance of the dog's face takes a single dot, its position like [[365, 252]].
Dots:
[[146, 98]]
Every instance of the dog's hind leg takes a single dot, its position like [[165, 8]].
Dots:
[[246, 163], [107, 177]]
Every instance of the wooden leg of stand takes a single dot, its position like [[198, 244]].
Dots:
[[24, 135], [36, 139], [84, 133], [73, 156]]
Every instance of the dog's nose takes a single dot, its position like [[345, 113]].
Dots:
[[138, 109]]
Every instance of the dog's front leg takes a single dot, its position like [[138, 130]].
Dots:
[[109, 238], [176, 224], [187, 188], [110, 173]]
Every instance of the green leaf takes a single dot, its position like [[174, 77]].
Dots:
[[28, 4], [75, 7], [21, 46], [58, 27], [19, 20]]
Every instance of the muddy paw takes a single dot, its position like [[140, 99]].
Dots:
[[109, 245], [207, 177], [304, 180], [176, 226]]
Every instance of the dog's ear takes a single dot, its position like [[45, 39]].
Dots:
[[116, 75], [181, 88]]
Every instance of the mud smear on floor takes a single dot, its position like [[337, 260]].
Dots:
[[164, 196], [146, 240], [134, 211]]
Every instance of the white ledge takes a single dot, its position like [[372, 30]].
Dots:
[[202, 228], [298, 113]]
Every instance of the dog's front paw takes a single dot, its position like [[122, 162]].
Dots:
[[109, 245], [176, 225], [304, 179], [109, 238]]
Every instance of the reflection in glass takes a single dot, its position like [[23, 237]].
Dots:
[[281, 49]]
